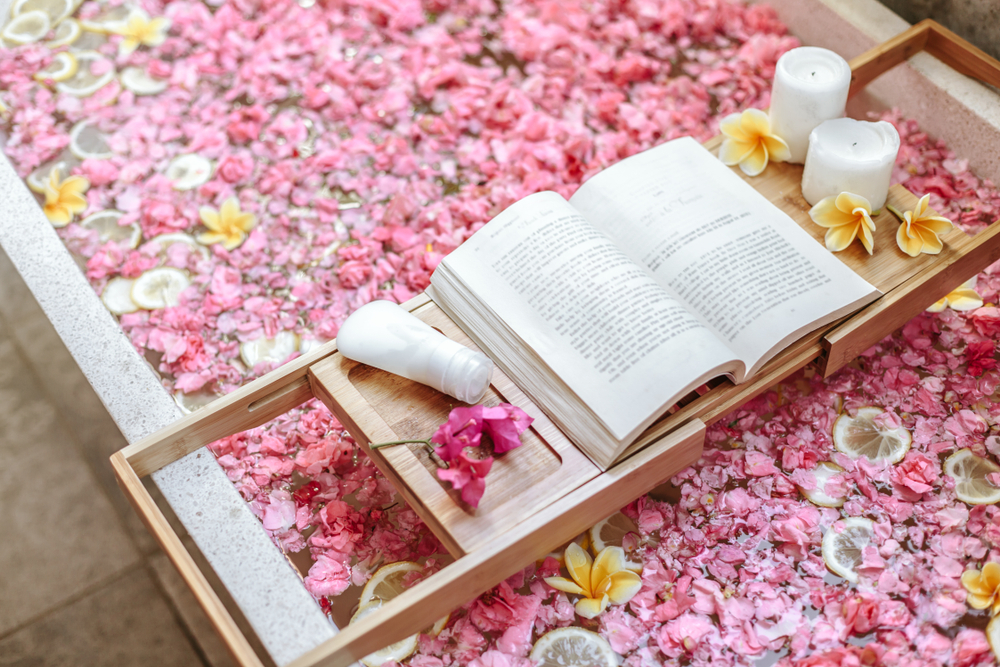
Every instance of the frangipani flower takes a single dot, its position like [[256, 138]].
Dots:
[[749, 142], [64, 199], [601, 581], [983, 587], [228, 226], [920, 232], [963, 297], [845, 216], [138, 29]]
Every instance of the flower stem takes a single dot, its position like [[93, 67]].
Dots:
[[438, 461], [895, 212], [380, 445]]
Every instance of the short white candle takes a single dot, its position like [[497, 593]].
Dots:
[[847, 155], [810, 86]]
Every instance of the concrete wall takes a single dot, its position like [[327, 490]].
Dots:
[[976, 20]]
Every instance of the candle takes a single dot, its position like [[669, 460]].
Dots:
[[847, 155], [810, 86]]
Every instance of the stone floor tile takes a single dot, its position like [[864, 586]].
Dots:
[[60, 534], [122, 624]]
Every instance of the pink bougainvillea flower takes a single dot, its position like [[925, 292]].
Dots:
[[749, 142], [504, 424], [64, 198], [469, 475], [228, 226], [920, 232], [845, 216], [601, 581]]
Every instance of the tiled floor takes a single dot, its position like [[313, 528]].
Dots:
[[81, 581]]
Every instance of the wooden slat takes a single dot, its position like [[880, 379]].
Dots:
[[960, 55], [897, 307], [876, 61], [160, 528], [503, 556]]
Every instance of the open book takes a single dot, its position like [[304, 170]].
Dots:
[[660, 273]]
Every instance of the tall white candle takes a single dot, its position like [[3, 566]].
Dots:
[[810, 86], [847, 155]]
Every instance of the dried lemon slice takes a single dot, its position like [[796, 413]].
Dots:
[[387, 582], [189, 171], [27, 27], [842, 551], [969, 472], [859, 436], [611, 532], [117, 296], [56, 10], [112, 18], [62, 67], [573, 646], [140, 82], [159, 288], [399, 651], [37, 179], [87, 143], [106, 225], [818, 496], [274, 349], [67, 32], [167, 240], [196, 400], [85, 83]]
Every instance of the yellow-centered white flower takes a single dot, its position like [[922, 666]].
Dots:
[[921, 232], [600, 581], [749, 142], [845, 217]]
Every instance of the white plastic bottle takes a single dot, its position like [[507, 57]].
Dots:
[[383, 335]]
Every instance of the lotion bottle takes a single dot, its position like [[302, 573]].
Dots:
[[383, 335]]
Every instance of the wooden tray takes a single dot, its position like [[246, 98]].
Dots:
[[546, 492]]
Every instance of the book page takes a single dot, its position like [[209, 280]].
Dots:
[[601, 323], [745, 268]]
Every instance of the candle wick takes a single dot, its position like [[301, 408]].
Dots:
[[854, 144], [814, 73]]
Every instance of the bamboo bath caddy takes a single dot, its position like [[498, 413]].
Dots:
[[546, 492]]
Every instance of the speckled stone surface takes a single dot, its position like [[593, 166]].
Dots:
[[264, 585]]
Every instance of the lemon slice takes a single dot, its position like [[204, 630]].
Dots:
[[399, 651], [27, 27], [189, 171], [112, 18], [387, 582], [56, 10], [88, 40], [67, 32], [195, 400], [611, 532], [993, 636], [842, 551], [87, 143], [167, 240], [37, 179], [858, 436], [139, 82], [159, 288], [85, 83], [106, 225], [117, 296], [573, 647], [62, 67], [969, 472], [269, 349], [818, 496]]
